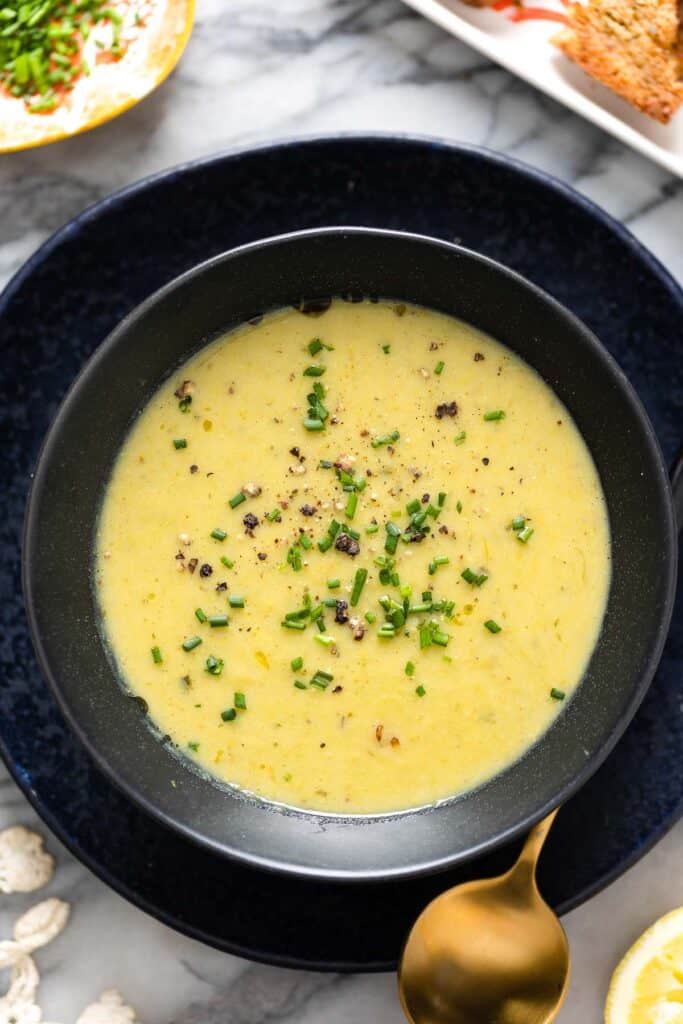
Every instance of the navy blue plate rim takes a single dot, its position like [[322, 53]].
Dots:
[[71, 229]]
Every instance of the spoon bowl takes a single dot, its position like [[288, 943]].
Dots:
[[488, 952]]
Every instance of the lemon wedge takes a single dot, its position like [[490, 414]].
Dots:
[[647, 986]]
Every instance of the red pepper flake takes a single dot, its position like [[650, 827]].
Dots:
[[537, 14]]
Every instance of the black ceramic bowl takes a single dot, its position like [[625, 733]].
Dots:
[[92, 424]]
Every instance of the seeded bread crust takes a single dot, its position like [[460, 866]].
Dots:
[[634, 47]]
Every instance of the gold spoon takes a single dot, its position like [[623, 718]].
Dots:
[[488, 952]]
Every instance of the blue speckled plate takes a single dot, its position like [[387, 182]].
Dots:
[[97, 268]]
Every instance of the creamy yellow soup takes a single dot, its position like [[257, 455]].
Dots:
[[367, 599]]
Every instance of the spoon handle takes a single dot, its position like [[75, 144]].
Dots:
[[524, 871]]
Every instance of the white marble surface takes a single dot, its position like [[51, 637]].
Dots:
[[255, 70]]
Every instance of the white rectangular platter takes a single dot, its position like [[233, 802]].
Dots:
[[524, 48]]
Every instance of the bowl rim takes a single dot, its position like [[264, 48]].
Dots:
[[425, 866]]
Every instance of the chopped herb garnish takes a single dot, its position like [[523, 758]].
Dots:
[[191, 643], [370, 617], [436, 562], [274, 516], [236, 601], [410, 668], [351, 505], [386, 631], [324, 639], [218, 620], [237, 499], [325, 544], [229, 715], [314, 371], [321, 679], [293, 624], [227, 562], [494, 414], [518, 523], [193, 746], [325, 464], [438, 369], [413, 506], [294, 558], [156, 656], [313, 423], [315, 346], [180, 442], [372, 528], [386, 349], [476, 579], [200, 615], [333, 584], [420, 691], [218, 534], [460, 438], [557, 694], [305, 541], [240, 701], [492, 626], [458, 507], [299, 685], [358, 584], [214, 666], [296, 664], [525, 534], [383, 439], [441, 500]]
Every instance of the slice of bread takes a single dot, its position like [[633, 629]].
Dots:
[[634, 47]]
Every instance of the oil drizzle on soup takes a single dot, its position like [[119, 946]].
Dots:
[[354, 562]]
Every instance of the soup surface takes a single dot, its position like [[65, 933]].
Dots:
[[354, 562]]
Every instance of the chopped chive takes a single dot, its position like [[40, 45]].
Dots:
[[441, 501], [425, 635], [218, 620], [438, 369], [386, 349], [325, 464], [557, 694], [213, 665], [227, 562], [296, 663], [325, 544], [185, 403], [180, 442], [200, 615], [370, 617], [460, 438], [386, 631], [334, 528], [436, 562], [324, 639], [492, 626], [218, 534], [330, 602], [418, 609], [410, 668], [273, 516], [427, 595], [334, 584], [240, 701], [476, 579], [494, 414], [420, 690], [351, 505], [358, 584], [294, 558], [299, 685], [315, 346], [229, 715], [433, 511], [525, 534], [360, 483], [305, 541], [314, 371], [237, 499], [156, 656], [352, 533], [191, 643], [458, 507], [293, 624], [236, 601], [313, 423], [193, 746], [518, 523], [413, 506], [440, 638], [383, 439]]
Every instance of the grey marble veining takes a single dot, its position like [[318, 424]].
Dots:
[[257, 70]]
